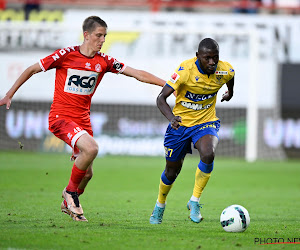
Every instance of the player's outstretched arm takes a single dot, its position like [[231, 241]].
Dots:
[[33, 69], [164, 107], [229, 93], [144, 76]]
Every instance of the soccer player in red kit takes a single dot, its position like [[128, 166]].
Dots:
[[79, 70]]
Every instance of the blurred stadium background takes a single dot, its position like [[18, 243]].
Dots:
[[259, 38]]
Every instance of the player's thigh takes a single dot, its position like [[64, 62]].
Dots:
[[205, 137], [206, 145]]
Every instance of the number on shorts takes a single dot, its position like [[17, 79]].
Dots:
[[168, 152]]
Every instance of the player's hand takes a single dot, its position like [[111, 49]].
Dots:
[[5, 101], [226, 96], [175, 122]]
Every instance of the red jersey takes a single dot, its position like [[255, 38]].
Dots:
[[77, 78]]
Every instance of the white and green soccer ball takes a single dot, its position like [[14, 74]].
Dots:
[[235, 218]]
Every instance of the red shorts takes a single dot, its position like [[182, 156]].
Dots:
[[69, 131]]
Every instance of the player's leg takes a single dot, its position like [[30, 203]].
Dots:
[[89, 173], [177, 144], [167, 179], [88, 176], [88, 152], [64, 206], [206, 146], [85, 151]]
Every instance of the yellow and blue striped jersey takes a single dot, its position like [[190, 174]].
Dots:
[[197, 91]]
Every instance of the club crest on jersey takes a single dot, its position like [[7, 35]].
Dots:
[[98, 67], [87, 65], [196, 78], [223, 73], [219, 79], [174, 77], [80, 82]]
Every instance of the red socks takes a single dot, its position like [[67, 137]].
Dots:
[[75, 179]]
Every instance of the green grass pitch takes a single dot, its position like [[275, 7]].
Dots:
[[122, 194]]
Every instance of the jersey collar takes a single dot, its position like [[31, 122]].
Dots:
[[199, 68]]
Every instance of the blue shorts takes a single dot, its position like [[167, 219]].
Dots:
[[178, 142]]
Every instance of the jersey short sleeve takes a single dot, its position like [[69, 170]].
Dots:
[[231, 71], [55, 59], [178, 77]]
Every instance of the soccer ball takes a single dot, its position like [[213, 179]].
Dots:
[[235, 218]]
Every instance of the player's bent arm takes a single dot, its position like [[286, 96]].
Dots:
[[31, 70], [230, 86], [164, 107], [229, 93], [143, 76]]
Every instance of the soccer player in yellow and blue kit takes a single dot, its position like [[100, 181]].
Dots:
[[193, 119]]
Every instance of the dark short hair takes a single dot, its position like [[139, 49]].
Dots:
[[208, 43], [91, 22]]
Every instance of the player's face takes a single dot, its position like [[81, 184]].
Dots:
[[96, 38], [208, 59]]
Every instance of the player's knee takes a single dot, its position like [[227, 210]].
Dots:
[[171, 175], [208, 156], [90, 150], [93, 150], [88, 146]]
